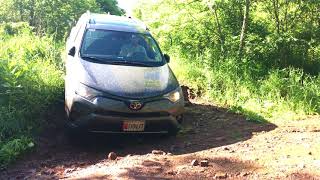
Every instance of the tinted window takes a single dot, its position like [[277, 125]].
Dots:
[[110, 46]]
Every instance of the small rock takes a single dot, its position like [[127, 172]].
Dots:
[[32, 171], [20, 176], [172, 173], [67, 171], [169, 154], [244, 174], [112, 156], [158, 152], [226, 149], [220, 138], [173, 148], [194, 162], [82, 163], [188, 144], [158, 169], [310, 153], [48, 172], [204, 163], [221, 175]]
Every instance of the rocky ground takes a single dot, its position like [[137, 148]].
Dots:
[[213, 144]]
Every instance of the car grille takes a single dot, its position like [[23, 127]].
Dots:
[[136, 114]]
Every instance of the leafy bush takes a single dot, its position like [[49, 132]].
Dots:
[[53, 16], [281, 94], [276, 76], [30, 80], [14, 148]]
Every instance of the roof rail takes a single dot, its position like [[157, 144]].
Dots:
[[139, 22], [90, 20]]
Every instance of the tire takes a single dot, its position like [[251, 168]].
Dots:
[[173, 132], [72, 133]]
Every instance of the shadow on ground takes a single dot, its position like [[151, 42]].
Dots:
[[205, 127], [152, 169]]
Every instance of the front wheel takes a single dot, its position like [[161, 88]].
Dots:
[[72, 133], [173, 132]]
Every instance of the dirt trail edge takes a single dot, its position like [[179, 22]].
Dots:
[[229, 146]]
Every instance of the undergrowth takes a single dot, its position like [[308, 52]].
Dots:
[[279, 96], [30, 80]]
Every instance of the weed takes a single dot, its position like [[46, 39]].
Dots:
[[30, 80]]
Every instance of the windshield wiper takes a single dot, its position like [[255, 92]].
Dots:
[[94, 58], [102, 60], [110, 61], [136, 63]]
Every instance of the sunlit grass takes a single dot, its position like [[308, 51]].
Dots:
[[279, 97], [30, 80]]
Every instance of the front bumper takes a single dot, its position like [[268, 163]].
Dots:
[[105, 115]]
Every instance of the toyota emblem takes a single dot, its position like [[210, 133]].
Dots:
[[135, 105]]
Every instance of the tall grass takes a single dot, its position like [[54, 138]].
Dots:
[[279, 96], [30, 80]]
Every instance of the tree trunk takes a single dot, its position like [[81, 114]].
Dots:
[[276, 14], [32, 13], [244, 27], [221, 36]]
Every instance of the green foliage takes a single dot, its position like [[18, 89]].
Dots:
[[250, 115], [31, 68], [13, 149], [277, 76], [30, 80], [53, 16], [282, 94], [110, 6]]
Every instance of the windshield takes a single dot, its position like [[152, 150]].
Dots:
[[106, 46]]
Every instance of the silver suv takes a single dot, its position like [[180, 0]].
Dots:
[[118, 80]]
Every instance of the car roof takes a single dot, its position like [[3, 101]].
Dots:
[[116, 23]]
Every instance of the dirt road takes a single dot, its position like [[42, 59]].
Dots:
[[234, 148]]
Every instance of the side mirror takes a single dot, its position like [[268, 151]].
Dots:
[[72, 51], [166, 57]]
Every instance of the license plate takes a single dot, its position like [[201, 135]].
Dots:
[[133, 126]]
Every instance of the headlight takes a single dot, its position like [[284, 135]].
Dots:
[[175, 95], [86, 92]]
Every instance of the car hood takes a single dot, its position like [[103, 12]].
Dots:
[[127, 81]]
